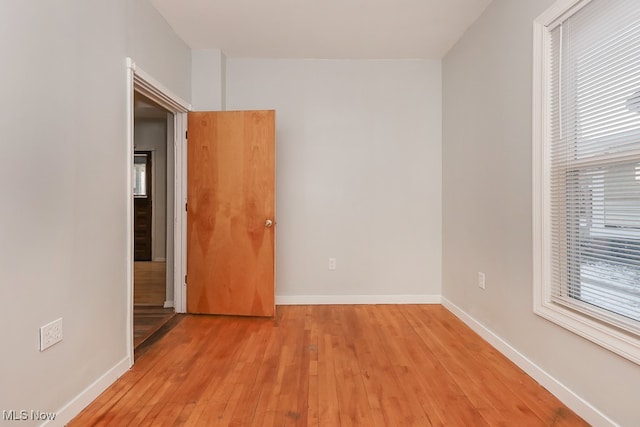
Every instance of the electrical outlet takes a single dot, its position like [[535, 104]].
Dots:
[[50, 334], [481, 283], [332, 263]]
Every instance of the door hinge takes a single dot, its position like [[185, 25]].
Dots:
[[185, 279], [186, 134], [185, 207]]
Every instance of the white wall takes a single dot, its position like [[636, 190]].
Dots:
[[63, 171], [151, 135], [156, 49], [358, 173], [487, 206], [208, 79]]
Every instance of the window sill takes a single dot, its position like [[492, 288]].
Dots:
[[620, 342]]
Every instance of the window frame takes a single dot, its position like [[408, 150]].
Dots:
[[599, 331], [146, 194]]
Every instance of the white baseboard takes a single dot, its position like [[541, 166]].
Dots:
[[88, 395], [159, 260], [168, 304], [580, 406], [356, 299]]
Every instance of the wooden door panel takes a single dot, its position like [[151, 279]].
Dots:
[[231, 194]]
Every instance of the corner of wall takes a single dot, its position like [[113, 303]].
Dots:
[[580, 406]]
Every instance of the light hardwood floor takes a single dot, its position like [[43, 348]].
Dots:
[[149, 283], [149, 291], [409, 365]]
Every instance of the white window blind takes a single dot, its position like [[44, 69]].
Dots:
[[593, 158]]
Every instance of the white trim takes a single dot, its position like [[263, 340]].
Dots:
[[576, 403], [356, 299], [89, 394], [602, 334], [129, 211], [168, 304], [157, 92], [180, 214], [560, 11], [540, 175], [159, 260]]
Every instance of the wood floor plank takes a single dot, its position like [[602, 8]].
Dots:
[[354, 410], [409, 365], [249, 363], [455, 359], [149, 283], [442, 399], [387, 394], [293, 400], [461, 348], [149, 294], [311, 329]]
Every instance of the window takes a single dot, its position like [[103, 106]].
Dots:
[[587, 170], [140, 175]]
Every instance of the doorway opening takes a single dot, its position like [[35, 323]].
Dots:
[[148, 100], [152, 218]]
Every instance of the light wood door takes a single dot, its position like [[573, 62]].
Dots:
[[231, 213]]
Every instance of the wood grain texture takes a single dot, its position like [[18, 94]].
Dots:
[[326, 366], [149, 292], [149, 283], [231, 187], [147, 320]]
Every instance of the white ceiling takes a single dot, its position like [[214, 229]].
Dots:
[[328, 29]]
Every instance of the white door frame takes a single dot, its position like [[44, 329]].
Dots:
[[141, 82]]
